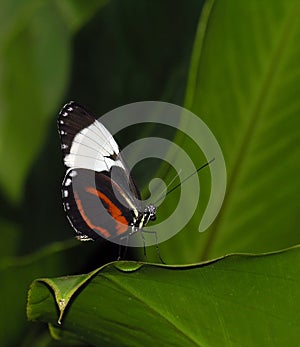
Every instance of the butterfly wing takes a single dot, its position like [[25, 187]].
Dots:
[[85, 142], [96, 204]]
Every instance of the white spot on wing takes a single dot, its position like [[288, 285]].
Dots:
[[82, 237], [66, 193], [68, 182], [70, 108], [73, 173]]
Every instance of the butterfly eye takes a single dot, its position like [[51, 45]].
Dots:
[[151, 210]]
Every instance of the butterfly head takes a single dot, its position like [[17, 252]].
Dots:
[[150, 212]]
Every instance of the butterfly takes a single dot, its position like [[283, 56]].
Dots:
[[100, 197]]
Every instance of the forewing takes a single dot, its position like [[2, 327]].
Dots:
[[85, 142]]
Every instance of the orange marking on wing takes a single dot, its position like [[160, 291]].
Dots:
[[103, 231], [116, 213]]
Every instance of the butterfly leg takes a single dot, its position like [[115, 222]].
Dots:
[[156, 243], [120, 251], [125, 247], [144, 244]]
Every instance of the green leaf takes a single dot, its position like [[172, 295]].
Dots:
[[238, 300], [244, 82], [35, 48], [17, 273]]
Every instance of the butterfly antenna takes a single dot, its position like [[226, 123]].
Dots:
[[186, 178], [166, 188]]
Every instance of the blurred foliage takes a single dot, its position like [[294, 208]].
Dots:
[[237, 67], [243, 81]]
